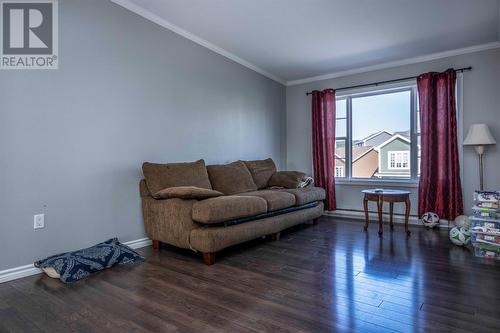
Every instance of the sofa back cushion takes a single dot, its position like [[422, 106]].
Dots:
[[261, 171], [231, 178], [161, 176]]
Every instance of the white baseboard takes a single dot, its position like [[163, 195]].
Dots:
[[138, 243], [28, 270], [18, 272], [357, 215]]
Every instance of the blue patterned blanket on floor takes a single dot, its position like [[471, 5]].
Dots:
[[76, 265]]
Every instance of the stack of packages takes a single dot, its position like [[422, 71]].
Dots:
[[485, 224]]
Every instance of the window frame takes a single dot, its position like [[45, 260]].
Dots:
[[348, 95]]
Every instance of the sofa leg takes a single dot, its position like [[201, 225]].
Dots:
[[316, 220], [156, 244], [208, 258], [276, 236]]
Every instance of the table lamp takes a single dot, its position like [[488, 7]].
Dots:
[[479, 136]]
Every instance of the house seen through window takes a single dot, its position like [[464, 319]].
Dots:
[[377, 134]]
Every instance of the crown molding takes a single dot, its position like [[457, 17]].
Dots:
[[409, 61], [127, 4]]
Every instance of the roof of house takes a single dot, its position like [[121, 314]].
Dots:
[[394, 137], [374, 135], [406, 133], [357, 152]]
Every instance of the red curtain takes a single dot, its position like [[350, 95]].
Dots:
[[440, 189], [323, 139]]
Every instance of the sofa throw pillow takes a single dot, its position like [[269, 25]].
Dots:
[[261, 171], [231, 178], [76, 265], [187, 192], [287, 179], [161, 176]]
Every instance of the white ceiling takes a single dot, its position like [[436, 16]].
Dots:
[[296, 39]]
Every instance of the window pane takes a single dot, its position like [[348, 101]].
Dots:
[[341, 121], [340, 128], [341, 108], [381, 136], [340, 158]]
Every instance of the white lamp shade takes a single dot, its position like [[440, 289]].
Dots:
[[479, 134]]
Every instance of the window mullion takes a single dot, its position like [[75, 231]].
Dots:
[[348, 151]]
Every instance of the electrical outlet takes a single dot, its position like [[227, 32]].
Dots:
[[39, 221]]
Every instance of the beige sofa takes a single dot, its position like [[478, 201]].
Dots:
[[209, 208]]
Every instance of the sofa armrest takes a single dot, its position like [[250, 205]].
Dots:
[[169, 221], [143, 189]]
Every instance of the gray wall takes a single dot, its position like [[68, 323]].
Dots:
[[481, 104], [72, 140]]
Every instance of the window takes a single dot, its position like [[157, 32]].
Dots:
[[339, 171], [377, 134], [398, 160], [340, 137]]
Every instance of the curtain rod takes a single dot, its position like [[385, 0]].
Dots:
[[460, 70]]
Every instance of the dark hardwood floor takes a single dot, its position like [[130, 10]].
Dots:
[[330, 277]]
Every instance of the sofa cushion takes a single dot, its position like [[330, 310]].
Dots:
[[287, 179], [216, 238], [187, 192], [161, 176], [306, 195], [231, 178], [221, 209], [275, 199], [261, 171]]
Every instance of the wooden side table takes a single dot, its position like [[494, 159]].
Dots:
[[390, 196]]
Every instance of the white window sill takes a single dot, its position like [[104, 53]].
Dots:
[[377, 182]]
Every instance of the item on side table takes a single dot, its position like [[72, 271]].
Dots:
[[430, 220], [462, 221], [460, 236], [73, 266]]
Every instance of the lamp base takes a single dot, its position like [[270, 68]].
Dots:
[[480, 152]]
